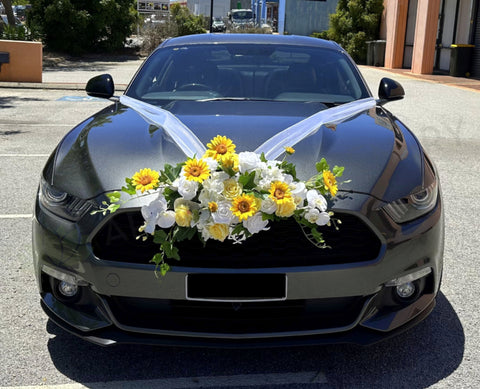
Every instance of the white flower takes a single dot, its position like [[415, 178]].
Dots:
[[166, 219], [247, 161], [298, 189], [215, 182], [211, 163], [255, 223], [313, 215], [223, 214], [187, 188], [316, 200], [156, 213], [268, 206]]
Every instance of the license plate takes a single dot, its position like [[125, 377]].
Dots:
[[236, 287]]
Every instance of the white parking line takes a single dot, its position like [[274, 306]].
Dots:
[[17, 216], [252, 380]]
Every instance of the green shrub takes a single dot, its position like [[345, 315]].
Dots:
[[78, 26], [355, 23]]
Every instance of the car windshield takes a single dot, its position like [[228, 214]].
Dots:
[[248, 72]]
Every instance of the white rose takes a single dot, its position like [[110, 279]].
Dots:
[[247, 161], [316, 200], [255, 223], [268, 206], [187, 189], [223, 215], [211, 163]]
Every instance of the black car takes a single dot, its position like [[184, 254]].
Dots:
[[356, 258]]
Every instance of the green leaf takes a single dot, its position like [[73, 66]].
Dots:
[[157, 259], [262, 158], [266, 216], [113, 207], [247, 180], [338, 171], [183, 233], [238, 229], [114, 197], [164, 268], [159, 236], [170, 250], [322, 165]]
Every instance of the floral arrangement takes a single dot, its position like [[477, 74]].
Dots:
[[225, 195]]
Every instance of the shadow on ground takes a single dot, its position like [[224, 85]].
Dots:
[[415, 359]]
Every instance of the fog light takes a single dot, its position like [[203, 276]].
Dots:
[[406, 290], [67, 289]]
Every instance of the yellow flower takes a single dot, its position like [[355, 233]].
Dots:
[[289, 150], [231, 188], [330, 182], [244, 206], [145, 179], [286, 208], [183, 215], [212, 206], [230, 161], [219, 146], [219, 231], [196, 170], [280, 192]]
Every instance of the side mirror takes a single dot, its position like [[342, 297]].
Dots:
[[101, 86], [389, 90]]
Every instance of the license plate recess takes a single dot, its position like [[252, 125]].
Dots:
[[236, 287]]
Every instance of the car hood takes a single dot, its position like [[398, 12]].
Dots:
[[381, 157]]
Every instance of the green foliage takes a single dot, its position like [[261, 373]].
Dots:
[[79, 26], [354, 23], [187, 23], [18, 33]]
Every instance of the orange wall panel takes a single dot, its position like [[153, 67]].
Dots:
[[25, 61]]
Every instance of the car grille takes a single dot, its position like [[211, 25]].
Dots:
[[284, 245], [236, 318]]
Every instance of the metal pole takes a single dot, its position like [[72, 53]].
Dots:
[[211, 16]]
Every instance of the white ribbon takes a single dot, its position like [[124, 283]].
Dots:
[[189, 143], [289, 137], [185, 139]]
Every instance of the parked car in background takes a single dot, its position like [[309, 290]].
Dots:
[[218, 25], [259, 242]]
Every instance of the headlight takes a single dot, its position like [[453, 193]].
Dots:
[[61, 203], [415, 205]]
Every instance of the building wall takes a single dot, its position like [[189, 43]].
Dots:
[[202, 7], [303, 17]]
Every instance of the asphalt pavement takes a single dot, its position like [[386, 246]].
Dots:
[[441, 352]]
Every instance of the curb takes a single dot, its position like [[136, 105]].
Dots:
[[52, 85]]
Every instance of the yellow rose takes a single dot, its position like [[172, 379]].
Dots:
[[219, 231], [231, 189], [285, 209], [183, 215]]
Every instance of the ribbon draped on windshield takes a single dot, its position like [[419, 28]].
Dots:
[[191, 146]]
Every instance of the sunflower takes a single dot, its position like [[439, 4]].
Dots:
[[330, 182], [212, 206], [280, 192], [196, 170], [219, 146], [244, 206], [145, 179]]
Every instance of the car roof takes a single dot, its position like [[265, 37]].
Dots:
[[294, 40]]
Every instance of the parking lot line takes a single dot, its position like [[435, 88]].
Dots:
[[17, 216]]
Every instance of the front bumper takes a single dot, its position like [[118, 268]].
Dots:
[[351, 303]]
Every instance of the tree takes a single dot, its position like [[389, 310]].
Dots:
[[7, 4], [78, 26], [187, 23], [355, 23]]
